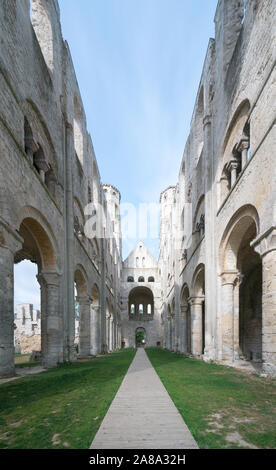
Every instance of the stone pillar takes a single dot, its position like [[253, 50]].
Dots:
[[9, 244], [51, 319], [232, 168], [183, 328], [84, 313], [196, 304], [244, 145], [107, 332], [110, 346], [265, 246], [95, 330], [227, 317]]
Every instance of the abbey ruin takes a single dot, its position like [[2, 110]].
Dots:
[[212, 292]]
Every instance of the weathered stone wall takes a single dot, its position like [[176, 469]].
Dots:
[[151, 323], [228, 176], [49, 174]]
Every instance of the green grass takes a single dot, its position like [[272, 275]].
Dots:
[[219, 403], [63, 407]]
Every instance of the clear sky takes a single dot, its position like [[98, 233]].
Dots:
[[138, 65]]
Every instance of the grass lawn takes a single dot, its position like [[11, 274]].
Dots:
[[223, 407], [63, 407], [23, 360]]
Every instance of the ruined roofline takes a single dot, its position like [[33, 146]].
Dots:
[[165, 190], [113, 187]]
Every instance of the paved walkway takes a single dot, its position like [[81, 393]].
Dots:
[[142, 415]]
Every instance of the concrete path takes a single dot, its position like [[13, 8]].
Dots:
[[142, 415]]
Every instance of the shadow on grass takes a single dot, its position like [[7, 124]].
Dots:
[[62, 407], [223, 407]]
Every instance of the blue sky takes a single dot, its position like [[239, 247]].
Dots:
[[138, 65]]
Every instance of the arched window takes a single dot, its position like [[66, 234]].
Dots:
[[151, 279], [137, 262], [141, 279], [142, 299], [143, 262], [130, 279]]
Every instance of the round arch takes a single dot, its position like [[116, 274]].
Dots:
[[185, 320], [245, 220], [141, 303]]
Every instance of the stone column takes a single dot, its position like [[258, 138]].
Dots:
[[265, 245], [95, 330], [9, 244], [227, 318], [196, 304], [183, 328], [107, 332], [110, 346], [244, 145], [51, 319], [84, 313], [232, 167]]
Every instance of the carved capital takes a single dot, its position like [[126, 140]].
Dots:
[[49, 278], [230, 277], [243, 145], [232, 165], [196, 300]]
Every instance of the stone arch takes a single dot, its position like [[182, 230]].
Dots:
[[140, 337], [235, 151], [80, 279], [185, 320], [197, 302], [39, 246], [140, 296], [82, 318], [198, 282], [241, 289], [234, 232]]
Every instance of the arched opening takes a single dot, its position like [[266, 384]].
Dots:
[[140, 337], [151, 279], [140, 302], [236, 150], [38, 248], [241, 291], [82, 313], [141, 279], [198, 312], [27, 316], [185, 321], [249, 264], [130, 279], [95, 321]]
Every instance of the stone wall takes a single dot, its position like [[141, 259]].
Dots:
[[227, 186]]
